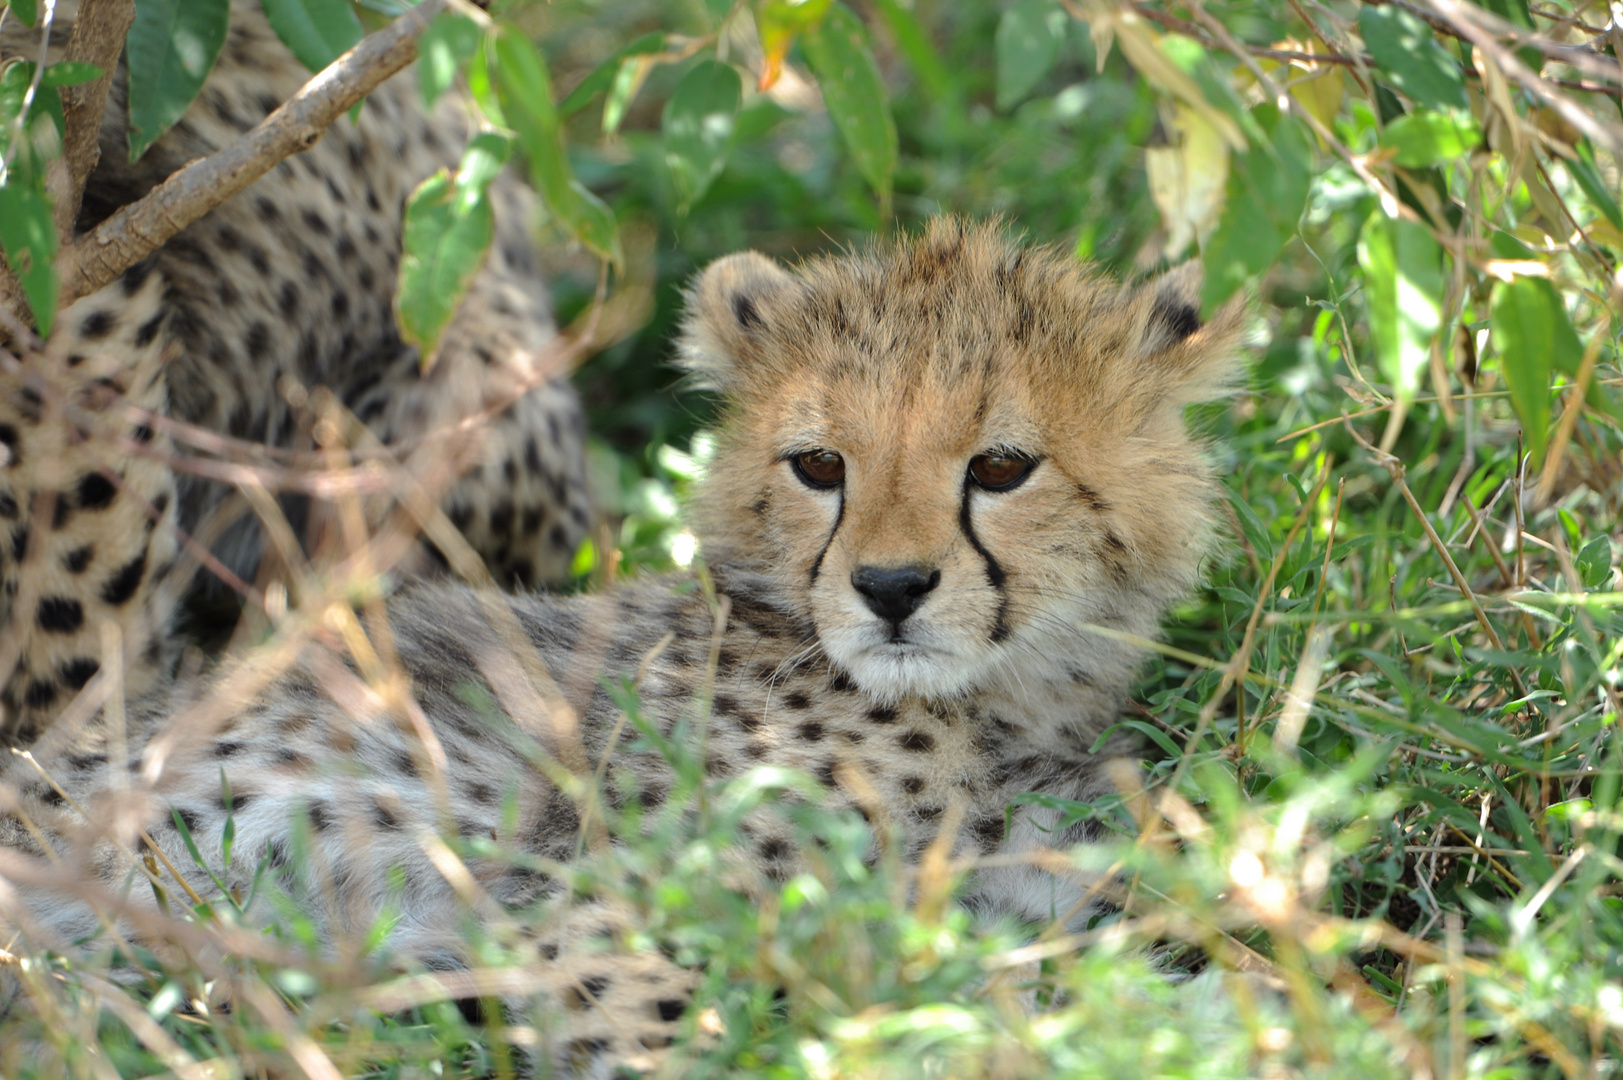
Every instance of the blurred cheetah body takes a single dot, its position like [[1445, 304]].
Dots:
[[283, 289], [1013, 469]]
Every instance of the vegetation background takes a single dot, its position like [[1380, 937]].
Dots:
[[1380, 819]]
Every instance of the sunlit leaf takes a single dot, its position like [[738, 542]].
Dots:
[[1188, 179], [1403, 290], [317, 32], [1028, 41], [1533, 337], [1427, 137], [28, 234], [449, 226], [698, 127], [525, 91], [170, 49], [442, 50], [849, 79], [1411, 58]]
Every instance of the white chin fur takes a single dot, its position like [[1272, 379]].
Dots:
[[890, 672]]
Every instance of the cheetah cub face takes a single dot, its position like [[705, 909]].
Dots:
[[953, 457]]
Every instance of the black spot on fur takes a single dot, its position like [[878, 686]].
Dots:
[[60, 614], [882, 714], [228, 747], [122, 585], [136, 276], [40, 693], [811, 731], [773, 849], [76, 560], [77, 672], [95, 492], [188, 818], [671, 1009], [913, 784], [320, 816], [147, 331], [916, 742], [97, 325], [841, 683]]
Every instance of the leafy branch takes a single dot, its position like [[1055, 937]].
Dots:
[[140, 228]]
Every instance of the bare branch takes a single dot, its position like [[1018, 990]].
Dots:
[[142, 227], [98, 37]]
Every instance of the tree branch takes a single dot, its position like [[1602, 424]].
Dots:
[[97, 38], [139, 229]]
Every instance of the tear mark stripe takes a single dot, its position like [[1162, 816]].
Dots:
[[839, 516], [994, 571]]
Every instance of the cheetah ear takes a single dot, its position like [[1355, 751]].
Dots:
[[731, 309], [1189, 359]]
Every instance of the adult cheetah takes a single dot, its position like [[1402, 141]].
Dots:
[[259, 321], [954, 493]]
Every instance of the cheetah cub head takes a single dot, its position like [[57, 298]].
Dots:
[[955, 459]]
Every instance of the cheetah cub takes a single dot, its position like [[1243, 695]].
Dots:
[[954, 489]]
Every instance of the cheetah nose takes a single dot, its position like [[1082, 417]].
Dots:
[[894, 593]]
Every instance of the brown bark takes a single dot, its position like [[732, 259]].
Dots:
[[97, 38]]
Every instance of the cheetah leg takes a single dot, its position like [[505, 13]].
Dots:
[[87, 506]]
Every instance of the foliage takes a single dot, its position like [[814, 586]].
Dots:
[[1382, 773]]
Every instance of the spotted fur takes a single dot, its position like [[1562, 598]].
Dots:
[[236, 326], [910, 361]]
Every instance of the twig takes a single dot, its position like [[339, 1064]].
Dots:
[[1395, 468], [139, 229], [1604, 134]]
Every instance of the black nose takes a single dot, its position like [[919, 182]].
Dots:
[[894, 593]]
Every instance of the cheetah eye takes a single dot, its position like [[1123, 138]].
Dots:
[[1000, 470], [820, 469]]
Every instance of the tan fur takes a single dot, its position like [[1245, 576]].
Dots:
[[909, 360], [234, 326]]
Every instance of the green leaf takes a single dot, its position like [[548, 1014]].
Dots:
[[449, 226], [1587, 173], [26, 10], [444, 47], [525, 92], [1426, 138], [1533, 336], [698, 127], [1028, 40], [70, 73], [603, 76], [170, 49], [1267, 189], [1403, 291], [1406, 50], [28, 235], [317, 32], [849, 79], [1256, 533], [1594, 563]]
